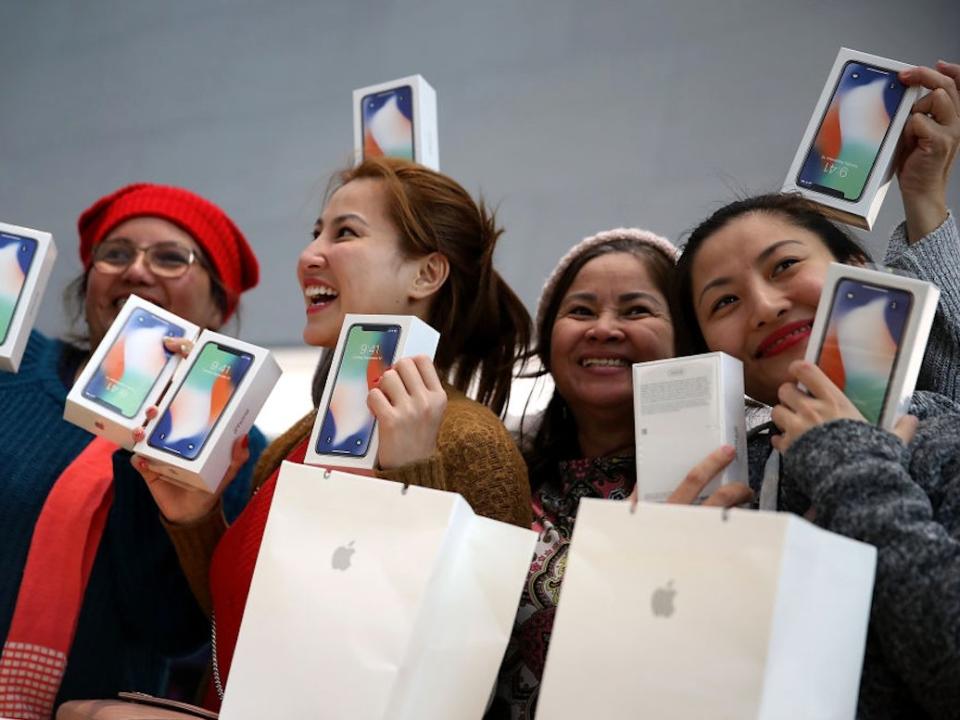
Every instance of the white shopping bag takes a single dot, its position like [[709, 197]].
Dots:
[[369, 601], [692, 612]]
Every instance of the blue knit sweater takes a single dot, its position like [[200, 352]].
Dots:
[[138, 608]]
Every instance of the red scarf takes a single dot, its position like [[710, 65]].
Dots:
[[64, 545], [231, 570]]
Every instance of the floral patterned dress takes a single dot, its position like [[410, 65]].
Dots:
[[554, 512]]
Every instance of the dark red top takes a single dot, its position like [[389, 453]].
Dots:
[[231, 569]]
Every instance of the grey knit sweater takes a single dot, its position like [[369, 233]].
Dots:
[[864, 484], [936, 258]]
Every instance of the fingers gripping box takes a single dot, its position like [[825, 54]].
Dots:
[[345, 433], [869, 337], [397, 119], [684, 409], [846, 158], [216, 394], [26, 259], [128, 372]]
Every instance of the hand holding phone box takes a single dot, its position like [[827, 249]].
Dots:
[[215, 396], [869, 337], [397, 119], [345, 432], [127, 373], [845, 161], [26, 260], [684, 409]]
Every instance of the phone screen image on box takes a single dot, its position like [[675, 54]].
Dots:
[[852, 131], [16, 258], [860, 349], [348, 423], [388, 123], [200, 400], [133, 364]]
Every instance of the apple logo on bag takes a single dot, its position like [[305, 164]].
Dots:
[[661, 602], [342, 556]]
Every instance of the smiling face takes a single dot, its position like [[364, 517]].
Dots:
[[355, 264], [613, 315], [188, 296], [756, 284]]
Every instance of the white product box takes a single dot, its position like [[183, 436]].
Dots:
[[684, 409], [869, 336], [845, 161], [26, 259], [216, 394], [127, 373], [398, 119], [345, 434]]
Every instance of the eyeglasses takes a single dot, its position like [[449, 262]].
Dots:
[[164, 259]]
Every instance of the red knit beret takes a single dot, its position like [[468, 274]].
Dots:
[[221, 240]]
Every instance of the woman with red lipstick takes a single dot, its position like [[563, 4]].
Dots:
[[603, 309], [92, 598], [394, 238], [748, 283]]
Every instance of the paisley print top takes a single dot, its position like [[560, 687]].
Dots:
[[554, 512]]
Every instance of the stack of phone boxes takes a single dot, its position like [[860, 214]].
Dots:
[[206, 400], [397, 119], [345, 434], [845, 161], [684, 409], [26, 260], [869, 337]]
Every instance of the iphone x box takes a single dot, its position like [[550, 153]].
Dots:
[[397, 119], [684, 409], [845, 162], [215, 395], [128, 372], [26, 259], [869, 337], [345, 433]]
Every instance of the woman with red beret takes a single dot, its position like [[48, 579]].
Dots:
[[92, 598]]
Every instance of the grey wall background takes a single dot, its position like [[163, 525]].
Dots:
[[572, 116]]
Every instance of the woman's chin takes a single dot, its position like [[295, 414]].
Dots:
[[318, 335], [764, 378], [606, 398], [765, 392]]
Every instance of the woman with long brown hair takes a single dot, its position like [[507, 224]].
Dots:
[[394, 238]]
